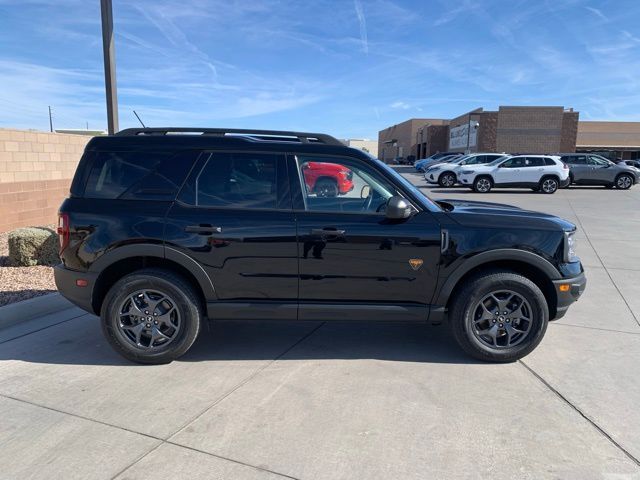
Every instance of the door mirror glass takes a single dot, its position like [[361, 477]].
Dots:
[[398, 208], [365, 192]]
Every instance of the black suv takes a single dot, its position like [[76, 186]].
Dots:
[[165, 228]]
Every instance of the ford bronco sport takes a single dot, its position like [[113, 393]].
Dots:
[[165, 228]]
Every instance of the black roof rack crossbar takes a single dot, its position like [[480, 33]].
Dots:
[[265, 135]]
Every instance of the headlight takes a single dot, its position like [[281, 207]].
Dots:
[[570, 244]]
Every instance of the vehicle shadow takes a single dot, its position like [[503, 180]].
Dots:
[[80, 342], [9, 297]]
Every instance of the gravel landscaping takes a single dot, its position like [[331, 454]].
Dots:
[[22, 283]]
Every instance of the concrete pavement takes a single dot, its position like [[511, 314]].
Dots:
[[345, 401]]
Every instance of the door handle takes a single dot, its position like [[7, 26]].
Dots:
[[327, 232], [203, 229]]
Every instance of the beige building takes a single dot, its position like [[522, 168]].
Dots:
[[618, 139], [370, 146]]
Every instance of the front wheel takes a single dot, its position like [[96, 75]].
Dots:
[[499, 316], [624, 181], [151, 316], [447, 179], [482, 185], [326, 188]]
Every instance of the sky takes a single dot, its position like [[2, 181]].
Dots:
[[345, 67]]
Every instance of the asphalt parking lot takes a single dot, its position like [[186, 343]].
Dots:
[[338, 400]]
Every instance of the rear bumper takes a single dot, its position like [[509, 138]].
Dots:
[[66, 283], [576, 287], [564, 183]]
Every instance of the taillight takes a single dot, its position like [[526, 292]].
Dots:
[[565, 166], [63, 230]]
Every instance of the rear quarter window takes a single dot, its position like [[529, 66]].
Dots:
[[114, 173]]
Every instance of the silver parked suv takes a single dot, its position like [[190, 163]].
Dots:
[[588, 169]]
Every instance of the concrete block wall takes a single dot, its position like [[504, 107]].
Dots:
[[36, 169]]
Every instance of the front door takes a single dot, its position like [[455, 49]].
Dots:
[[601, 171], [354, 262], [234, 218]]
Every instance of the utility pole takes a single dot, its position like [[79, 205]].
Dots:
[[50, 120], [109, 55]]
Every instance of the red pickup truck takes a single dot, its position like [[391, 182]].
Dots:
[[327, 179]]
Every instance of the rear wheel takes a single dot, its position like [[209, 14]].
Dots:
[[326, 188], [482, 184], [499, 316], [624, 181], [549, 185], [151, 316], [447, 179]]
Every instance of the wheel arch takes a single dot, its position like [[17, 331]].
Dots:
[[528, 264], [128, 259]]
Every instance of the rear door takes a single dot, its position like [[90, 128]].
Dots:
[[580, 171], [234, 217], [355, 261]]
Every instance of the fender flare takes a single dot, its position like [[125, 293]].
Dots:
[[484, 258], [158, 251]]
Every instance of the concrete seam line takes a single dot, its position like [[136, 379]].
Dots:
[[43, 328], [244, 381], [582, 414], [14, 313], [153, 449], [604, 266], [117, 427], [595, 328]]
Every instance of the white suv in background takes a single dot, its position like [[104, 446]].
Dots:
[[545, 173], [446, 174]]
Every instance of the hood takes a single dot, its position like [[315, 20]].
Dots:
[[499, 215]]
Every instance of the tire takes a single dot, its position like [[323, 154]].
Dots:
[[326, 187], [447, 179], [179, 318], [624, 181], [549, 185], [482, 184], [495, 347]]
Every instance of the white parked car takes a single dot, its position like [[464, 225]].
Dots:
[[446, 174], [545, 173]]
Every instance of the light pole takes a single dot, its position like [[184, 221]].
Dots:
[[109, 55]]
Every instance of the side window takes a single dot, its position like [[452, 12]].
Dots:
[[597, 161], [236, 180], [513, 162], [534, 162], [114, 173], [549, 162], [342, 184], [577, 160]]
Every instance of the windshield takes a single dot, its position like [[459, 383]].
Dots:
[[459, 160], [430, 204]]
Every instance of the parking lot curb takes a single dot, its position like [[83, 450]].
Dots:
[[29, 309]]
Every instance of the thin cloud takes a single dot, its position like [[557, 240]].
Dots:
[[598, 13], [363, 26], [400, 105]]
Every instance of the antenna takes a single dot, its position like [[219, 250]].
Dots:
[[138, 117]]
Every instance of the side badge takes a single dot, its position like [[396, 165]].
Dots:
[[415, 263]]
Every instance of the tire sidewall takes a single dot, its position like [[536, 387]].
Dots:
[[482, 287], [475, 184], [443, 176], [189, 313], [623, 175], [546, 179]]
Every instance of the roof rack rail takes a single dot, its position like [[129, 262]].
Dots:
[[264, 135]]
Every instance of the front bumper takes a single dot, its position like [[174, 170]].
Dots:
[[66, 281], [572, 288]]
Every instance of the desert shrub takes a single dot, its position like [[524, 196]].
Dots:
[[33, 246]]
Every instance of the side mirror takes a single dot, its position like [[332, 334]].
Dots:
[[365, 192], [398, 208]]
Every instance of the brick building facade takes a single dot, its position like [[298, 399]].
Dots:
[[36, 169], [535, 129]]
